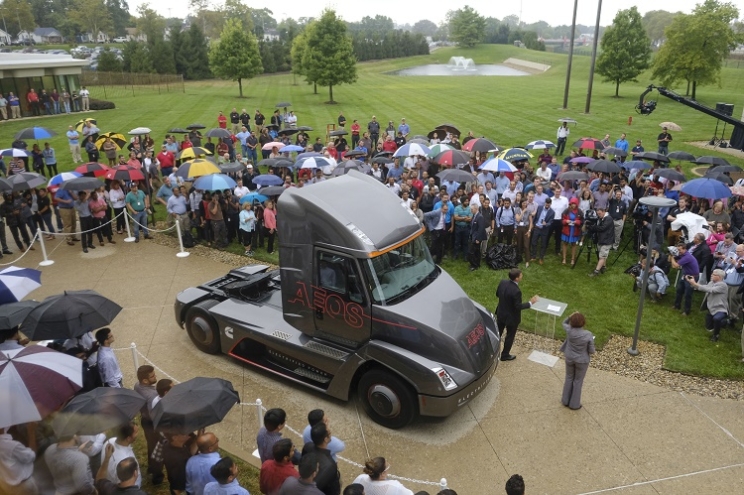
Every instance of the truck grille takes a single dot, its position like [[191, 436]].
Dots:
[[281, 335]]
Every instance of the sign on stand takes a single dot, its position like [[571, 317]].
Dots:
[[548, 311]]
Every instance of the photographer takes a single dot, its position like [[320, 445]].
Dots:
[[683, 260], [716, 301], [657, 284], [733, 269], [701, 252], [604, 229]]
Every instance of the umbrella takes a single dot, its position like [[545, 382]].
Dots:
[[671, 174], [349, 165], [706, 188], [338, 132], [540, 145], [283, 104], [118, 139], [498, 165], [568, 120], [60, 178], [5, 186], [449, 128], [355, 153], [288, 132], [178, 130], [614, 151], [273, 190], [604, 166], [284, 163], [722, 177], [26, 180], [215, 182], [424, 142], [69, 315], [437, 134], [738, 190], [412, 149], [456, 175], [196, 126], [681, 155], [124, 172], [638, 164], [304, 128], [193, 152], [231, 168], [292, 148], [268, 180], [81, 123], [94, 412], [95, 168], [254, 196], [218, 132], [451, 158], [382, 160], [197, 168], [274, 144], [14, 152], [720, 169], [652, 155], [710, 160], [35, 133], [589, 144], [480, 144], [582, 159], [138, 131], [439, 148], [34, 382], [515, 154], [313, 162], [16, 283], [194, 404], [81, 184], [573, 175], [671, 126], [12, 314]]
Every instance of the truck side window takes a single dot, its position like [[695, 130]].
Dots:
[[338, 274]]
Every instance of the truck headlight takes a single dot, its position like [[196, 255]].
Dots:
[[447, 382]]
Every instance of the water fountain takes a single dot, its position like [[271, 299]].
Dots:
[[461, 63]]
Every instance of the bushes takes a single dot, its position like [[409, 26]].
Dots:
[[101, 104]]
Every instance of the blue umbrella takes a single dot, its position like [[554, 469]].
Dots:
[[16, 283], [637, 164], [14, 152], [251, 197], [313, 162], [64, 176], [308, 154], [35, 133], [268, 180], [706, 188], [215, 182], [498, 165], [292, 148]]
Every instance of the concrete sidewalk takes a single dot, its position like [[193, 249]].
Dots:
[[629, 438]]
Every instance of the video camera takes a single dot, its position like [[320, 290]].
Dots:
[[646, 107], [590, 218]]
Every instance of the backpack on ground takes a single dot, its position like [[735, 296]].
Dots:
[[188, 240]]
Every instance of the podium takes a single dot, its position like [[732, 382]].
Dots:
[[547, 312]]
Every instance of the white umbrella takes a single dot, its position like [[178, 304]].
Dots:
[[695, 224], [14, 152], [138, 131], [412, 149], [314, 162], [498, 165]]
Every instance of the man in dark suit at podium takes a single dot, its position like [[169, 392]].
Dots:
[[509, 310]]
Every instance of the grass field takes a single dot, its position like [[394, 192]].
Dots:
[[509, 110]]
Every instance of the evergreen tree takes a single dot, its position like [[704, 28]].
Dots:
[[181, 49], [108, 61], [235, 56], [299, 46], [197, 54], [267, 58], [626, 49], [161, 53]]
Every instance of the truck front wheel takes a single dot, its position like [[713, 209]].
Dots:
[[203, 330], [387, 399]]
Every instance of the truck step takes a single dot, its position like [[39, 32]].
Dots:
[[326, 350], [312, 376]]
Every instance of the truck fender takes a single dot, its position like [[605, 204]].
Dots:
[[186, 299]]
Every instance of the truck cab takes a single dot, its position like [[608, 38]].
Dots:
[[357, 307]]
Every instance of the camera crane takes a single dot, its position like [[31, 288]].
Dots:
[[647, 107]]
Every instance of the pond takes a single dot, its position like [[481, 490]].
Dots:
[[459, 70]]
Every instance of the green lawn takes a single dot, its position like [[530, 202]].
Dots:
[[511, 111]]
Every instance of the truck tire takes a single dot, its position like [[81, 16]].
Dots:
[[202, 328], [386, 398]]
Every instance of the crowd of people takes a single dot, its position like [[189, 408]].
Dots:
[[39, 103]]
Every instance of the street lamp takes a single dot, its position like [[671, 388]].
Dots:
[[653, 203]]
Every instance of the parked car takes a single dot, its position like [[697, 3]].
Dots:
[[120, 39]]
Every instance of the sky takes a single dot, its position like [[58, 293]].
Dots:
[[554, 12]]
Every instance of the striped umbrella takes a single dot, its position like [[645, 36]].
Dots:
[[60, 178], [118, 139], [16, 283], [540, 145], [498, 165], [197, 168], [124, 172], [437, 149], [451, 158], [313, 162], [481, 145], [412, 149], [95, 168], [588, 143], [35, 133], [193, 152], [81, 123], [14, 152]]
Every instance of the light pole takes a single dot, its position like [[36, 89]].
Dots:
[[594, 59], [653, 203], [570, 55]]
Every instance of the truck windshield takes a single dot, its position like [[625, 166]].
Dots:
[[401, 272]]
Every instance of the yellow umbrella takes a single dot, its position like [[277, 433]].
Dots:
[[118, 139], [191, 153], [81, 123], [197, 168]]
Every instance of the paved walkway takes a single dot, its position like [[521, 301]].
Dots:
[[630, 438]]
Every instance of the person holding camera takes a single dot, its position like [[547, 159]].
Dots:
[[733, 269], [604, 229], [716, 299], [683, 260], [658, 282]]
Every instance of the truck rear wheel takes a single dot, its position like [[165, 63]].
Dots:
[[203, 329], [387, 399]]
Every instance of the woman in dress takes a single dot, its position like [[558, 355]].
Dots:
[[577, 349], [571, 233], [375, 482]]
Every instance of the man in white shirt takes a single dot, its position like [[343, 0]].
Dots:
[[240, 190], [409, 162], [559, 205], [406, 200], [122, 444], [16, 466], [562, 136], [108, 365], [393, 186], [544, 172], [85, 98]]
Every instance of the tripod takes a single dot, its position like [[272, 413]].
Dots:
[[637, 238], [588, 240], [716, 141]]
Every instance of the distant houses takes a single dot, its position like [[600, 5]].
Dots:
[[5, 38]]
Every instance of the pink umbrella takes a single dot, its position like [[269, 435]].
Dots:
[[34, 382], [274, 144]]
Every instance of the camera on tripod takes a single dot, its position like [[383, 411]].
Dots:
[[590, 218]]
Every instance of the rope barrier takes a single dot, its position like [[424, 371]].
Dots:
[[83, 231], [150, 229], [30, 245]]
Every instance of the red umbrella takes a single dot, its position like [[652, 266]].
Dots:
[[589, 144], [480, 144], [124, 172], [95, 168], [451, 158]]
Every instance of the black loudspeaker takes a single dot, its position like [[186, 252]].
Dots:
[[725, 108]]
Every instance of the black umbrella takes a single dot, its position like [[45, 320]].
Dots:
[[449, 128], [5, 186], [338, 132], [218, 132], [26, 180], [437, 134], [681, 155], [721, 177], [283, 104], [711, 160], [96, 411], [178, 130], [269, 162], [456, 175], [194, 404], [13, 314], [283, 162], [196, 126], [355, 153], [304, 128], [604, 166], [69, 315], [573, 175], [614, 151], [720, 169], [288, 132], [308, 154], [382, 160], [231, 168], [272, 190], [670, 173], [651, 155], [81, 184]]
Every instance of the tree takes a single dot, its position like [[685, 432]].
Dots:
[[691, 53], [297, 53], [267, 57], [92, 16], [655, 23], [108, 61], [161, 54], [424, 27], [626, 49], [236, 9], [197, 54], [329, 59], [119, 12], [150, 23], [181, 49], [262, 20], [466, 26], [136, 58], [235, 56], [18, 16]]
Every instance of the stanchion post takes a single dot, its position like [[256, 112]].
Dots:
[[133, 346], [443, 483], [259, 412], [183, 253], [129, 237], [46, 261]]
